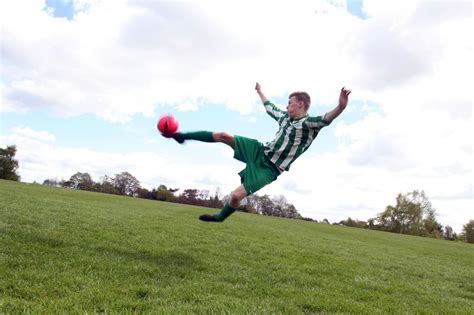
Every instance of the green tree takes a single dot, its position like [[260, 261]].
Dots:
[[106, 186], [144, 193], [126, 184], [189, 196], [291, 212], [354, 223], [413, 214], [468, 231], [216, 202], [82, 181], [431, 227], [265, 205], [164, 194], [53, 182], [449, 234], [8, 164]]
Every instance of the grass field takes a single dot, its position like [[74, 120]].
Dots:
[[66, 251]]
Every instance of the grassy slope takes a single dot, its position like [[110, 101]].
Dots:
[[64, 250]]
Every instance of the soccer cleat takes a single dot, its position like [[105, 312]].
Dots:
[[176, 136], [208, 218]]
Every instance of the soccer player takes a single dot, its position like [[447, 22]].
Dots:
[[265, 162]]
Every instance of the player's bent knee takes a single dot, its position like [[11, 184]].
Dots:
[[218, 136], [223, 137], [233, 198], [236, 198]]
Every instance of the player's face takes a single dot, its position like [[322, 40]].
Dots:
[[295, 108]]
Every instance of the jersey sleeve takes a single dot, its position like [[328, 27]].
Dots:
[[273, 111], [316, 122]]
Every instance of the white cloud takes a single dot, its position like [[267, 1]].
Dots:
[[150, 141], [252, 119], [40, 158], [26, 132], [187, 106], [118, 58]]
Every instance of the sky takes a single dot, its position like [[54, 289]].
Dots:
[[84, 82]]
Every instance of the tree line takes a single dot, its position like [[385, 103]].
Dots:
[[412, 213], [126, 184]]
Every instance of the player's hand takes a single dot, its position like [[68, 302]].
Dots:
[[344, 97], [257, 87]]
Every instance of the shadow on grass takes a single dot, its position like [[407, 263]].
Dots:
[[161, 258]]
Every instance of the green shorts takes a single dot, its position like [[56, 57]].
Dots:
[[259, 171]]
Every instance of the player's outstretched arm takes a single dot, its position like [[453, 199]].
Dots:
[[343, 100], [259, 91], [271, 109]]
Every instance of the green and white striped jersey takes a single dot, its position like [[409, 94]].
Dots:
[[293, 137]]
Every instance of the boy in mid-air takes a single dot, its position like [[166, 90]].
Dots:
[[264, 163]]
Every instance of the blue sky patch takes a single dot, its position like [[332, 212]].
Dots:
[[355, 8], [61, 8]]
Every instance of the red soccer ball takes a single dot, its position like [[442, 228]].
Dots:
[[168, 124]]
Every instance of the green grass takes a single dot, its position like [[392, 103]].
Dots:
[[66, 251]]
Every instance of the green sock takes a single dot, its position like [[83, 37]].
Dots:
[[225, 212], [204, 136]]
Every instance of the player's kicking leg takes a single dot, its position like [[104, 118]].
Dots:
[[204, 136]]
